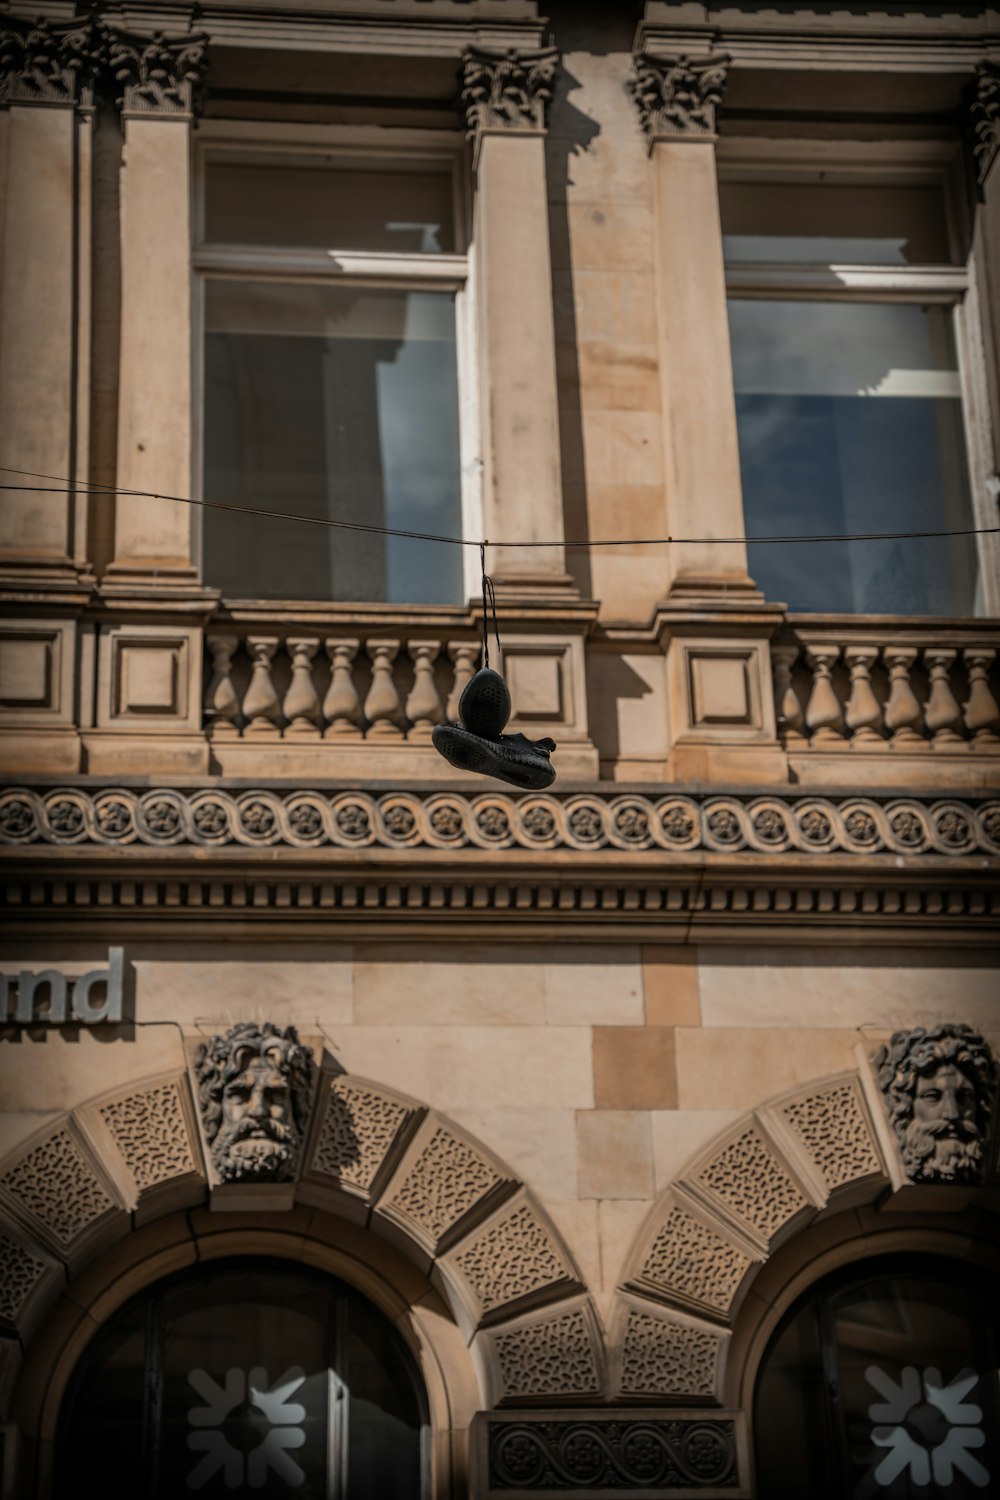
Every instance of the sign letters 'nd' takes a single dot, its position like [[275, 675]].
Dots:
[[29, 988]]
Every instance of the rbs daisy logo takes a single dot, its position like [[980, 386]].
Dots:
[[245, 1402], [928, 1429]]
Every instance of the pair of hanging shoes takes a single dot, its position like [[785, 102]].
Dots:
[[478, 744]]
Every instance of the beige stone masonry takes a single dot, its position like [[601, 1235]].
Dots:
[[358, 1133], [153, 538], [656, 1352], [554, 1353], [153, 1130], [45, 161], [443, 1185], [39, 675], [523, 489], [63, 1194]]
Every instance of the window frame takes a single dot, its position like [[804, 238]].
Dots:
[[935, 163], [452, 271], [153, 1301]]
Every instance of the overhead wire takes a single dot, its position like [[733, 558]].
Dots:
[[70, 487]]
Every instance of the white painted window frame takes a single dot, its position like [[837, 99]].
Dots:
[[453, 272], [926, 162]]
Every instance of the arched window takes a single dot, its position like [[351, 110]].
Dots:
[[245, 1378], [881, 1383]]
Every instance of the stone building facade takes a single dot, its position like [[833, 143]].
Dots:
[[370, 1128]]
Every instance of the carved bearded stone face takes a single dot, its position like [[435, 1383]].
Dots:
[[943, 1139], [939, 1087], [256, 1137], [255, 1086]]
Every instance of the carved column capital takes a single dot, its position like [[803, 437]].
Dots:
[[48, 62], [157, 75], [677, 96], [506, 91], [984, 117]]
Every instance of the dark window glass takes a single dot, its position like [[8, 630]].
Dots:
[[331, 402], [245, 1381], [850, 420], [882, 1384], [329, 203], [819, 219]]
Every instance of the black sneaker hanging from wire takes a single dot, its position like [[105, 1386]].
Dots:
[[478, 743]]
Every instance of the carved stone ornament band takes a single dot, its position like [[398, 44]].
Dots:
[[585, 821], [507, 90], [678, 96], [611, 1456]]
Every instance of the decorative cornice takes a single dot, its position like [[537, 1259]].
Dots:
[[984, 117], [677, 96], [506, 91], [592, 823], [48, 62], [158, 75]]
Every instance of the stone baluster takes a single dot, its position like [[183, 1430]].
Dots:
[[902, 712], [221, 706], [823, 711], [465, 655], [982, 715], [942, 714], [423, 706], [261, 708], [342, 706], [383, 710], [863, 715], [787, 706], [301, 705]]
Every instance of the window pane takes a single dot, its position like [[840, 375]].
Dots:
[[850, 420], [241, 1380], [823, 221], [329, 202], [331, 402], [882, 1386]]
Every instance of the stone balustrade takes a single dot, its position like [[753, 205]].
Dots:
[[841, 685], [301, 687]]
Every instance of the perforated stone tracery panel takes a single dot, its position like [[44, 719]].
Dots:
[[152, 1134], [20, 1272], [686, 1259], [57, 1187], [832, 1126], [358, 1130], [664, 1358], [512, 1259], [747, 1180], [448, 1178], [550, 1358]]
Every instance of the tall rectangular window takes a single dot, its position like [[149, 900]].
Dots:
[[843, 291], [331, 359]]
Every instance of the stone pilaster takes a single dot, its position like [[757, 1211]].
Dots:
[[158, 80], [713, 626], [505, 96], [46, 72], [677, 100], [983, 134]]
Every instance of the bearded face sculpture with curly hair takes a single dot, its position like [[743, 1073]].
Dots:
[[255, 1086], [939, 1087]]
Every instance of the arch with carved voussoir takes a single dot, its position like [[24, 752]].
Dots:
[[391, 1197], [808, 1183]]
